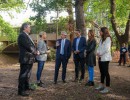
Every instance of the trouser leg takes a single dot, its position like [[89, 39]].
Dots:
[[57, 66]]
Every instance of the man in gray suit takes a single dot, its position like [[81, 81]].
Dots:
[[42, 57]]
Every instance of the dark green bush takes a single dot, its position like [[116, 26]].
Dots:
[[52, 55]]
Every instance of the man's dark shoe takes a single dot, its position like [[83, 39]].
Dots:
[[128, 66], [64, 81], [23, 94], [80, 80], [29, 89], [75, 80], [55, 82]]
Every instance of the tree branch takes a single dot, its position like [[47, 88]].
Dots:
[[127, 30], [113, 21]]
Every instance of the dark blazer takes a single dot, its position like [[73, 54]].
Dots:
[[67, 49], [90, 53], [27, 49], [81, 46]]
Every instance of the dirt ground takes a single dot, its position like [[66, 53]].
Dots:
[[120, 84]]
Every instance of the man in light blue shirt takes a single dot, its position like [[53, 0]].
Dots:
[[77, 43], [62, 46], [78, 47], [63, 53]]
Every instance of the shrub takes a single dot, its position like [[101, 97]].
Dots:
[[52, 55]]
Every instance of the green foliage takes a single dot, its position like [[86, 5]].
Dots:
[[33, 86], [62, 23], [42, 7], [52, 55], [39, 19], [7, 30], [99, 11], [54, 4], [8, 5], [39, 24]]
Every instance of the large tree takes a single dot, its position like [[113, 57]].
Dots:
[[42, 6], [71, 24], [79, 12], [111, 13], [124, 37]]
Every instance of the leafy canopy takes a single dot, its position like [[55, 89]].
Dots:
[[99, 11], [7, 30], [42, 8], [8, 6]]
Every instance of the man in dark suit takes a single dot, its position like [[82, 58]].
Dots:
[[26, 58], [78, 47], [63, 53]]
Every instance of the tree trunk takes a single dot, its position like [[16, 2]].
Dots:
[[127, 30], [70, 26], [80, 20], [121, 38]]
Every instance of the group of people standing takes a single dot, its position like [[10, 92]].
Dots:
[[84, 53], [30, 53]]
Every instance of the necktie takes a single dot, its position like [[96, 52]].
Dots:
[[77, 43], [62, 46]]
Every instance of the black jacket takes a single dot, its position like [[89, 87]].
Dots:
[[90, 53], [27, 49]]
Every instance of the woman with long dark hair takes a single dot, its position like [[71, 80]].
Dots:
[[104, 53], [91, 57]]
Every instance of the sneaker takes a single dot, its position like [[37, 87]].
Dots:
[[100, 87], [41, 84], [105, 90]]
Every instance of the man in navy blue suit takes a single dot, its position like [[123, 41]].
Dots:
[[78, 47], [63, 53]]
